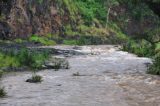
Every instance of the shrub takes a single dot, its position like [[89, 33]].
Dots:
[[35, 79], [91, 9], [7, 60], [33, 59], [142, 48], [57, 63], [24, 57], [2, 92], [155, 68]]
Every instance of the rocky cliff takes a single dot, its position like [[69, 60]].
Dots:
[[25, 17], [22, 18]]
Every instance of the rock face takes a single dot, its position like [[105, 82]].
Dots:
[[22, 18], [26, 17]]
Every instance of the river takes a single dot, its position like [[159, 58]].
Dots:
[[106, 76]]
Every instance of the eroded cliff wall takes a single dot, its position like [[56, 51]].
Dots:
[[21, 18]]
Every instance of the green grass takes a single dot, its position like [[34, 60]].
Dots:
[[23, 58], [70, 42], [142, 48], [86, 40], [158, 47], [7, 60], [42, 40]]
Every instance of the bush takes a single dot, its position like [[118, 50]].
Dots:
[[92, 9], [155, 68], [35, 79], [2, 92], [142, 48], [8, 60], [57, 63], [15, 59], [33, 59]]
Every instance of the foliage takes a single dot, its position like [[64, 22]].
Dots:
[[33, 59], [57, 63], [14, 59], [2, 92], [18, 40], [141, 47], [90, 9], [155, 68], [41, 40], [157, 48], [35, 79], [70, 42], [7, 60]]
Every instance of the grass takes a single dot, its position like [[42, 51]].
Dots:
[[57, 63], [2, 93], [23, 58], [35, 79], [42, 40], [70, 42], [57, 66], [142, 48], [86, 40], [18, 40], [155, 68]]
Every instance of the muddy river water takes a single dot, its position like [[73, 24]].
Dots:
[[106, 76]]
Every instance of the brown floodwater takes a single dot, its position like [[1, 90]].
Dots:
[[107, 77]]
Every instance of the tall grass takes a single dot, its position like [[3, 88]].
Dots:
[[42, 40], [22, 58]]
